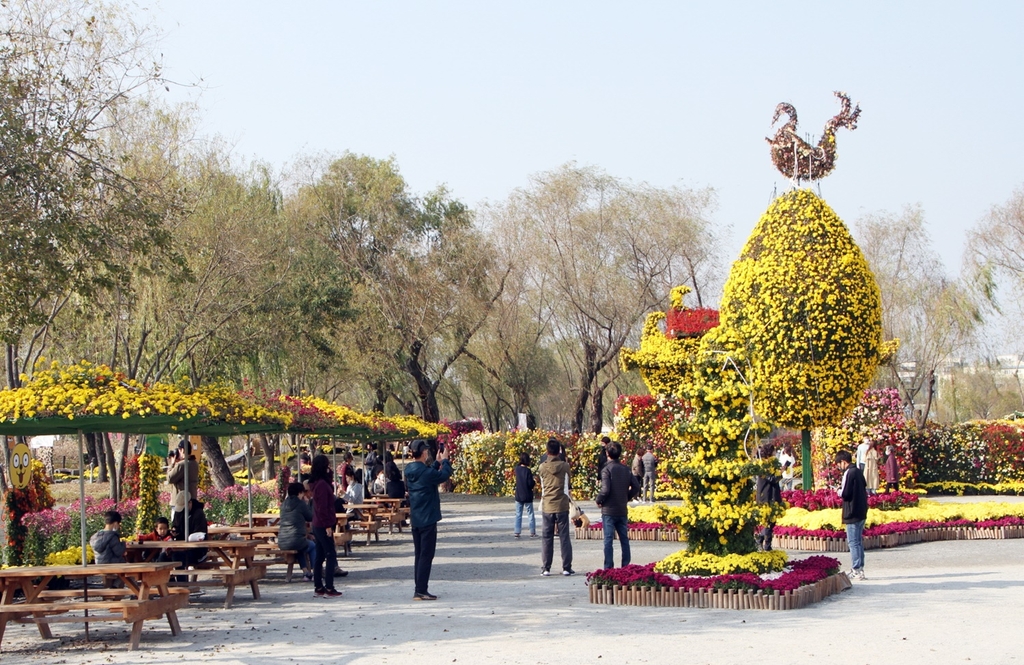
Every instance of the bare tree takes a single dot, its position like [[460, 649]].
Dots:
[[934, 317], [601, 254]]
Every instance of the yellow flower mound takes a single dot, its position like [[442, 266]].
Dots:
[[925, 511], [348, 417], [659, 512], [663, 363], [805, 303], [685, 563], [70, 557], [85, 389]]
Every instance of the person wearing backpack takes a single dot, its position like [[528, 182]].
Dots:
[[525, 483], [618, 487]]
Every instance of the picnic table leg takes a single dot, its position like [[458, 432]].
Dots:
[[255, 589], [136, 634], [172, 619], [230, 597]]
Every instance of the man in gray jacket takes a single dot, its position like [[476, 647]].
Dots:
[[618, 486], [650, 474]]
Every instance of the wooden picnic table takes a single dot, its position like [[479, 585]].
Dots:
[[265, 519], [248, 532], [391, 511], [146, 595], [233, 563]]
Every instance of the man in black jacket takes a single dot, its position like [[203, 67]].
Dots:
[[854, 493], [618, 486]]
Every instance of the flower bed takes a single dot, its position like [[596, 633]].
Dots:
[[802, 583], [894, 534], [821, 499], [637, 531], [973, 489]]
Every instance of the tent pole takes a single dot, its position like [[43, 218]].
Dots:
[[188, 495], [334, 464], [248, 468], [81, 492]]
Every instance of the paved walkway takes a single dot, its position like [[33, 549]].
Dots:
[[931, 602]]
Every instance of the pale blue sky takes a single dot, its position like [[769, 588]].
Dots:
[[479, 95]]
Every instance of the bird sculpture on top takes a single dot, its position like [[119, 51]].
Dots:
[[797, 159]]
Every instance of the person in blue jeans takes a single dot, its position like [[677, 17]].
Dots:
[[618, 487], [525, 483], [854, 493]]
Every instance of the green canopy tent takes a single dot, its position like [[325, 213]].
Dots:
[[162, 424]]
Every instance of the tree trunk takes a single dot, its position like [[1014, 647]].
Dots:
[[597, 414], [9, 364], [3, 470], [425, 388], [108, 454], [923, 418], [587, 375], [97, 456], [380, 398], [218, 467], [269, 457]]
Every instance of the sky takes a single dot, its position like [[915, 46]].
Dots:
[[479, 96]]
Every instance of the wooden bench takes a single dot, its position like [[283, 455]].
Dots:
[[228, 563], [370, 527], [269, 555], [227, 578], [145, 596]]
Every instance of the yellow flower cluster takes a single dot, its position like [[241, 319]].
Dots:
[[663, 363], [151, 474], [925, 511], [348, 417], [804, 301], [85, 389], [686, 563], [70, 557]]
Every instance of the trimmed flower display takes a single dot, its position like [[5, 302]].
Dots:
[[796, 574], [686, 563], [878, 418], [804, 302], [84, 389], [926, 512]]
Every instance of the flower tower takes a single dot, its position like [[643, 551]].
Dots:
[[720, 513], [805, 303]]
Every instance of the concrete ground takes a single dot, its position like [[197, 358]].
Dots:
[[931, 602]]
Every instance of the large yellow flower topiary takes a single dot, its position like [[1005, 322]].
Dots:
[[805, 303]]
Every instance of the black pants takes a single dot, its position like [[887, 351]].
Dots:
[[325, 552], [424, 542], [547, 540]]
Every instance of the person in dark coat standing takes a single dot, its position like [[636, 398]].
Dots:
[[525, 483], [853, 491], [324, 520], [892, 470], [421, 482], [768, 491], [618, 486]]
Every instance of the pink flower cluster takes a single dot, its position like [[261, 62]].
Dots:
[[898, 527], [59, 520], [797, 574], [821, 499]]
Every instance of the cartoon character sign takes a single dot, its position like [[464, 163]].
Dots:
[[21, 466]]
